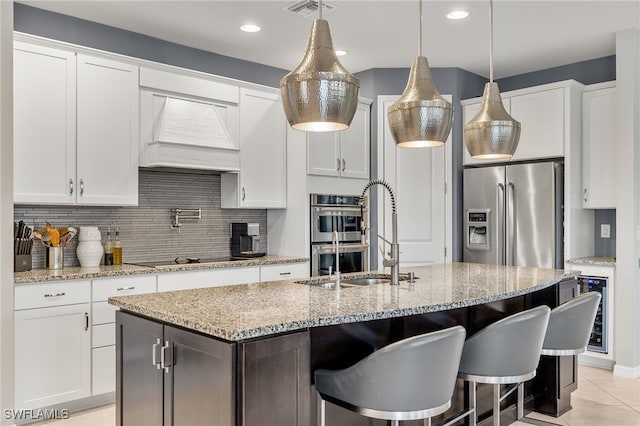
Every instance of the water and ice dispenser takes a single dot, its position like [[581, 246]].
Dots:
[[477, 229]]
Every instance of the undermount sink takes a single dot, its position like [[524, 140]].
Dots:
[[346, 282]]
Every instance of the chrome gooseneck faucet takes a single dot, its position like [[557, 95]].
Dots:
[[336, 246], [393, 261]]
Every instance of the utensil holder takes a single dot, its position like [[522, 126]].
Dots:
[[55, 258]]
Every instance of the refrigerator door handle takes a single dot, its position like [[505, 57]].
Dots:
[[510, 225], [500, 221]]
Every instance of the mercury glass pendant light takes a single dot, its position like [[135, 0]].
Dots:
[[492, 133], [319, 95], [421, 117]]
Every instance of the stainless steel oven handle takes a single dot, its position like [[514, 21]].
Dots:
[[339, 209], [343, 247]]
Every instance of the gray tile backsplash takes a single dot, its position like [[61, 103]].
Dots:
[[144, 230]]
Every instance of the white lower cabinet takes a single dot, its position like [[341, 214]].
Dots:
[[284, 271], [185, 280], [103, 373], [103, 329], [52, 344]]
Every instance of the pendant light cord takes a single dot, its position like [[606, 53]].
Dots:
[[420, 32], [319, 9], [491, 41]]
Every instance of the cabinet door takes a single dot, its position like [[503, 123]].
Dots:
[[599, 148], [139, 383], [200, 386], [541, 116], [103, 373], [276, 374], [44, 109], [107, 153], [184, 280], [468, 112], [263, 150], [418, 176], [323, 154], [52, 355], [354, 146]]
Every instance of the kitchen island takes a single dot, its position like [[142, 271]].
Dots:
[[245, 354]]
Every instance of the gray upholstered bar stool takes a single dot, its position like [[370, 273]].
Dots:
[[505, 352], [570, 326], [406, 380]]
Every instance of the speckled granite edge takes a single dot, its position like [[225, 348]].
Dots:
[[593, 261], [77, 273], [137, 304]]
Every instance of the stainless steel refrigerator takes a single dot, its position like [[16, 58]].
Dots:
[[513, 215]]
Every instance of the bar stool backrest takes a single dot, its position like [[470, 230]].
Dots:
[[507, 348], [570, 325], [413, 374]]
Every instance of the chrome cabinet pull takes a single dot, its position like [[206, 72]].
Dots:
[[81, 187], [154, 356], [55, 295], [125, 288], [585, 195], [165, 362], [343, 164], [86, 321], [70, 186], [244, 194], [338, 161], [285, 273]]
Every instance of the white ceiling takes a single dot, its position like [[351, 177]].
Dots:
[[528, 35]]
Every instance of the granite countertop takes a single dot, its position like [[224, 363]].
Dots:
[[246, 311], [593, 261], [75, 273]]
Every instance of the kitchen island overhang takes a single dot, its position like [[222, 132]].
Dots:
[[329, 328]]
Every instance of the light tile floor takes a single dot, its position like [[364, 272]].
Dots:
[[602, 399]]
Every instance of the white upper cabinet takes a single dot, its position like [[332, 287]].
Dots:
[[262, 180], [108, 123], [83, 149], [599, 146], [544, 119], [344, 153], [44, 111]]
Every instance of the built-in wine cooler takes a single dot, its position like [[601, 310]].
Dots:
[[598, 340]]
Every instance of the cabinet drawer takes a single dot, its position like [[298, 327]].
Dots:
[[52, 294], [103, 313], [103, 335], [103, 373], [212, 278], [122, 286], [284, 272]]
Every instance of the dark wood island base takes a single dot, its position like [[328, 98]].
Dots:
[[172, 375]]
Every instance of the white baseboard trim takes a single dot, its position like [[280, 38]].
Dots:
[[594, 361], [629, 372]]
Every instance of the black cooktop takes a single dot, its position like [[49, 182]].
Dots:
[[184, 260]]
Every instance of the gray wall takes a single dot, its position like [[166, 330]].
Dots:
[[586, 72], [144, 230], [90, 34], [605, 247]]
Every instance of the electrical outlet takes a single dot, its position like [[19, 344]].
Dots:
[[605, 230]]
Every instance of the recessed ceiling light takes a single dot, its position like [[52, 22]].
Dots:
[[341, 52], [457, 14], [250, 28]]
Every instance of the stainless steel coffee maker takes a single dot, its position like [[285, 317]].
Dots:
[[245, 240]]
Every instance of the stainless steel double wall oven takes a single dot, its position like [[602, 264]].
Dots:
[[347, 215]]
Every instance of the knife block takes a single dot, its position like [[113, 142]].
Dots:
[[22, 262]]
